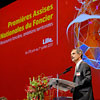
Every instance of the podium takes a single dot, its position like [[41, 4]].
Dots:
[[63, 85], [63, 98]]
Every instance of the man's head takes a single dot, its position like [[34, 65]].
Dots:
[[76, 55]]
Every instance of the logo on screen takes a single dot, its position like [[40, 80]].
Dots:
[[47, 40]]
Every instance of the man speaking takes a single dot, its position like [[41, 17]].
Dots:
[[82, 77]]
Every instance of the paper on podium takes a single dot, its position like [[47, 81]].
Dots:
[[62, 84]]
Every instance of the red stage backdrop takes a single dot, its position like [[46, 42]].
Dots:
[[37, 37]]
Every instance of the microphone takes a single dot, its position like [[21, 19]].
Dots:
[[57, 81], [67, 70]]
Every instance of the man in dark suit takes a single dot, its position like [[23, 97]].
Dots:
[[82, 77]]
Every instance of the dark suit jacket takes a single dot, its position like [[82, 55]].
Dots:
[[83, 77]]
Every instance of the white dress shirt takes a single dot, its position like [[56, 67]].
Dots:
[[77, 66]]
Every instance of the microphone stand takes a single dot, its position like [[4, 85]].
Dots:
[[57, 88], [58, 75]]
